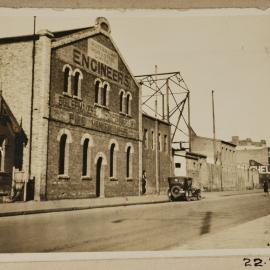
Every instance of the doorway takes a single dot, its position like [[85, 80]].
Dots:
[[98, 176]]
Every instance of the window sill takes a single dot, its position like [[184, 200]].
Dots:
[[63, 177], [67, 94], [101, 106], [113, 179], [76, 97], [86, 178], [125, 114], [129, 179]]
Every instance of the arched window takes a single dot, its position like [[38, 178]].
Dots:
[[86, 143], [145, 138], [3, 155], [64, 139], [128, 162], [67, 79], [153, 140], [85, 165], [62, 154], [77, 83], [159, 142], [128, 104], [129, 152], [112, 161], [105, 93], [121, 100], [165, 143], [97, 94], [113, 149]]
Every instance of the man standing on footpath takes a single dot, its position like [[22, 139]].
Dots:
[[265, 187]]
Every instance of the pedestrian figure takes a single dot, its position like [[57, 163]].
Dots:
[[144, 182], [265, 187]]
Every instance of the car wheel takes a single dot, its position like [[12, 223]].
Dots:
[[175, 191]]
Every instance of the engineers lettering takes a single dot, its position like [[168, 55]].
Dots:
[[95, 66]]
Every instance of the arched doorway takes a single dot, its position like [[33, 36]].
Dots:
[[98, 176]]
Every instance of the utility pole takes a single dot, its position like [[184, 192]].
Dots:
[[214, 143], [189, 127], [31, 108], [156, 137], [214, 138], [214, 127]]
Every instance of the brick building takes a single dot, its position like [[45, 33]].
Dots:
[[192, 165], [79, 107], [221, 159]]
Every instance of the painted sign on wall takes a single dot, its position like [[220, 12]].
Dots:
[[99, 68], [262, 169], [102, 54]]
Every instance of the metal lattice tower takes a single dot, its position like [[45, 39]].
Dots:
[[166, 96]]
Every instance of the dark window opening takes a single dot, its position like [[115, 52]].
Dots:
[[128, 162], [105, 89], [76, 84], [177, 165], [96, 91], [66, 79], [127, 104], [112, 160], [85, 157], [121, 101], [62, 149]]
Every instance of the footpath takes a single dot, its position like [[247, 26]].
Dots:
[[252, 234], [36, 207]]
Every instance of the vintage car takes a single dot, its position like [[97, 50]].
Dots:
[[181, 188]]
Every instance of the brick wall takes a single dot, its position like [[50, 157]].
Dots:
[[81, 116], [164, 167], [75, 186]]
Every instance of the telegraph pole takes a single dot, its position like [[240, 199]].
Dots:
[[189, 127], [214, 127], [214, 138], [156, 137]]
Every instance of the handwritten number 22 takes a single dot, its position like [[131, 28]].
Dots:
[[257, 262]]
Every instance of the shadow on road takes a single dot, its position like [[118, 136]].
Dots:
[[205, 228]]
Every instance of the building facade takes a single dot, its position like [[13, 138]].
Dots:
[[253, 155], [80, 108], [224, 173], [157, 156]]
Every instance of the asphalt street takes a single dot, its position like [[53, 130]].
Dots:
[[149, 227]]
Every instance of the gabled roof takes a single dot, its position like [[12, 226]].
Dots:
[[57, 35], [64, 37]]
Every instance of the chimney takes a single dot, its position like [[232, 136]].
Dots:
[[235, 140]]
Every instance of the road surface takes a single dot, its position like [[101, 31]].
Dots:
[[133, 228]]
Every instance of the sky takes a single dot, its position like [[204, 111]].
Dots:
[[227, 51]]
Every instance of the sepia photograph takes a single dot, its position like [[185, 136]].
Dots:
[[134, 130]]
